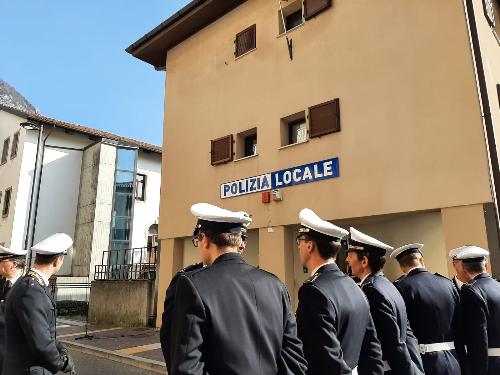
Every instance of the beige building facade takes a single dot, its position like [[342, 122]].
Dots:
[[403, 95]]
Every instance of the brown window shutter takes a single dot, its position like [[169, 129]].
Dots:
[[498, 92], [222, 149], [314, 7], [245, 41], [324, 118]]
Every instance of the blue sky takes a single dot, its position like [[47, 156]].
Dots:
[[68, 59]]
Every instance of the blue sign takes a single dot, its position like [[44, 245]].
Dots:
[[303, 174]]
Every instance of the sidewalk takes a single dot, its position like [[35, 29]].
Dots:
[[139, 347]]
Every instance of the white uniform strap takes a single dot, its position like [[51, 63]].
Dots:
[[436, 347], [386, 366], [493, 352]]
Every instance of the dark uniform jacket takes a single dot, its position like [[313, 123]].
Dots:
[[335, 325], [232, 318], [168, 308], [399, 345], [480, 300], [432, 306], [30, 319], [5, 287]]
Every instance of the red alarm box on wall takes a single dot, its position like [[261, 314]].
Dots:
[[266, 197]]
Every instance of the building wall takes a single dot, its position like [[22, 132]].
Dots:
[[399, 82], [9, 177], [146, 213]]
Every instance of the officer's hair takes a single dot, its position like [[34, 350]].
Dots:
[[19, 262], [326, 249], [475, 267], [410, 260], [375, 262], [44, 259], [224, 239]]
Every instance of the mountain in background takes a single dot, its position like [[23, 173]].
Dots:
[[9, 97]]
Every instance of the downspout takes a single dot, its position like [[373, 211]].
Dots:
[[486, 110]]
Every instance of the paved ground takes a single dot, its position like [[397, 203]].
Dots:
[[89, 365]]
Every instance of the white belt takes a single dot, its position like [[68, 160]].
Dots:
[[386, 366], [436, 347], [355, 371], [493, 352]]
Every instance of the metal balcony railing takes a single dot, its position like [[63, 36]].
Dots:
[[127, 264]]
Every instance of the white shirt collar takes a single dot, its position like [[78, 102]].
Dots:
[[414, 268], [329, 261], [15, 278], [363, 279], [42, 275], [459, 283]]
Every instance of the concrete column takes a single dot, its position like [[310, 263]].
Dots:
[[275, 246], [463, 225], [170, 262]]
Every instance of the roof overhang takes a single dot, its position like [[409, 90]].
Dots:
[[152, 47]]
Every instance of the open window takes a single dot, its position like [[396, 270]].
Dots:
[[246, 143], [292, 15], [294, 129]]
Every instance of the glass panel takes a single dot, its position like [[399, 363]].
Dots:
[[121, 229], [123, 205], [125, 159], [298, 132], [124, 182]]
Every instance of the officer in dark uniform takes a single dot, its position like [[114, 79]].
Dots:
[[333, 315], [12, 263], [30, 316], [460, 278], [230, 317], [480, 301], [366, 257], [432, 307]]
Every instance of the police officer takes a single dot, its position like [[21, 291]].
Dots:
[[480, 301], [230, 317], [12, 263], [432, 307], [333, 315], [31, 315], [460, 277], [366, 257]]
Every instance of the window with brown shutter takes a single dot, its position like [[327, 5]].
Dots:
[[498, 92], [222, 150], [314, 7], [324, 118], [5, 151], [6, 202], [245, 41]]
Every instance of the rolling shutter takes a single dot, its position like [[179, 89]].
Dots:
[[324, 118]]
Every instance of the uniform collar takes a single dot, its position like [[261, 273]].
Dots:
[[483, 275], [458, 282], [228, 257], [329, 261], [14, 279], [415, 270], [42, 275]]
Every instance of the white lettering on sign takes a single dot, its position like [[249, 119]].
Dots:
[[246, 186]]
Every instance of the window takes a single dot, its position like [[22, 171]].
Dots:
[[292, 14], [324, 118], [221, 149], [6, 202], [15, 144], [314, 7], [498, 92], [246, 143], [140, 187], [5, 151], [294, 129], [245, 41]]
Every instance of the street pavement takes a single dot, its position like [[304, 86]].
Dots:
[[87, 364], [112, 348]]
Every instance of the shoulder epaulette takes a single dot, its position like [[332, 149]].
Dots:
[[399, 279], [36, 277], [312, 278], [444, 277], [192, 267]]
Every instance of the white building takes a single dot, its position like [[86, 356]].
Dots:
[[100, 188]]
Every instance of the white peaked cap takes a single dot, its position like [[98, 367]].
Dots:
[[471, 252], [453, 252], [5, 251], [209, 212], [310, 220], [407, 249], [362, 238], [58, 243]]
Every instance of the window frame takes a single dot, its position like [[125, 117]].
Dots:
[[15, 143], [141, 198], [335, 102], [6, 202], [231, 150], [307, 17], [5, 151], [254, 41]]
